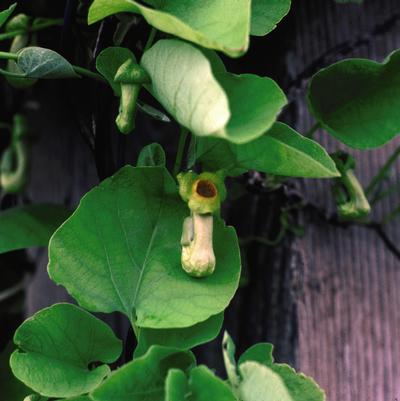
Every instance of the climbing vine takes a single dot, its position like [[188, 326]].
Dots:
[[151, 242]]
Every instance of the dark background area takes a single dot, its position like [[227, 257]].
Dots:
[[329, 301]]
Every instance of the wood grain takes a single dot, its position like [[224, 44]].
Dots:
[[349, 305]]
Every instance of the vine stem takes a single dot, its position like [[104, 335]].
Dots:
[[90, 74], [150, 40], [311, 131], [391, 216], [136, 330], [39, 27], [382, 172], [181, 147], [8, 56], [79, 70]]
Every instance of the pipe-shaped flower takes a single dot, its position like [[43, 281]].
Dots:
[[131, 77], [14, 163], [351, 201], [204, 194]]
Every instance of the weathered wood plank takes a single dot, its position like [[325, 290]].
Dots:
[[349, 307]]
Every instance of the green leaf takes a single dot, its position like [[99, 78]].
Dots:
[[5, 14], [261, 352], [11, 388], [228, 352], [143, 378], [221, 24], [153, 112], [184, 339], [261, 383], [151, 156], [35, 397], [37, 62], [57, 345], [124, 238], [29, 226], [357, 101], [194, 87], [205, 386], [183, 82], [266, 14], [280, 151], [255, 103], [202, 385], [109, 61], [264, 380], [176, 386]]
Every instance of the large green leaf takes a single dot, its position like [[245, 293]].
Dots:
[[183, 82], [11, 388], [143, 378], [358, 101], [202, 385], [29, 226], [265, 15], [217, 24], [194, 87], [5, 14], [57, 345], [280, 151], [37, 62], [184, 339], [124, 239], [264, 380]]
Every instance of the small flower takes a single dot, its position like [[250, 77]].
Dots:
[[203, 194], [131, 77]]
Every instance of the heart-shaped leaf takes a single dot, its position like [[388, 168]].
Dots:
[[56, 347], [184, 339], [29, 226], [266, 14], [11, 388], [264, 380], [124, 238], [109, 61], [37, 62], [358, 101], [220, 24], [151, 156], [183, 82], [262, 383], [202, 385], [143, 378], [280, 151], [194, 87], [5, 14]]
